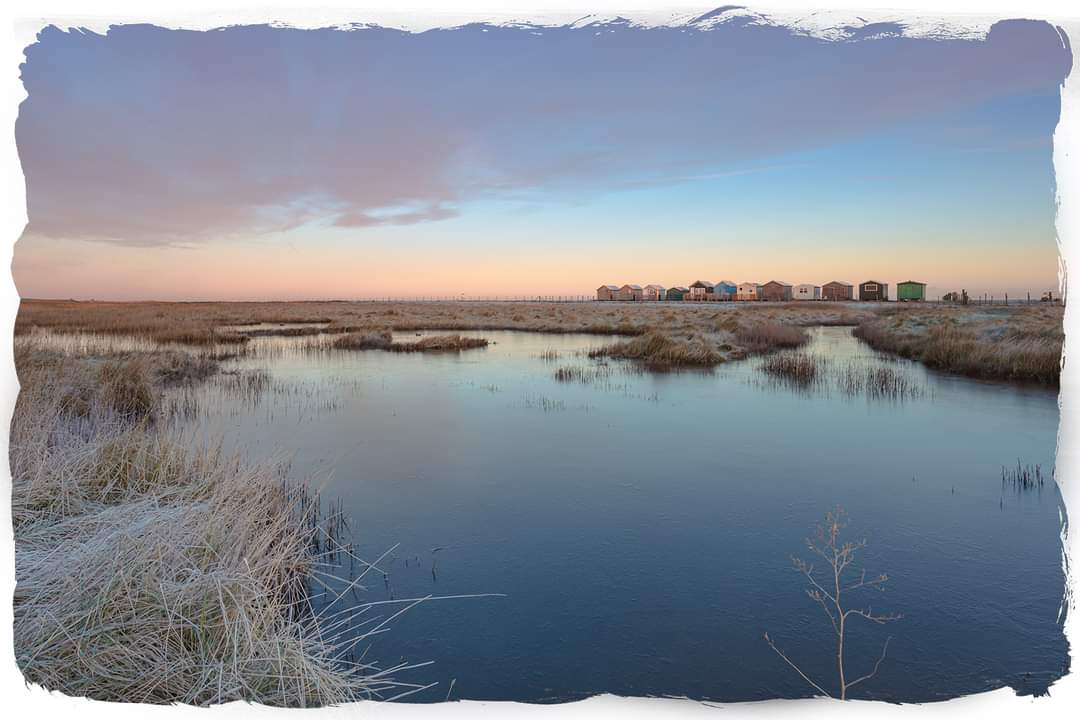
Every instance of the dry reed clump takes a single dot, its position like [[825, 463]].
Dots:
[[994, 348], [658, 350], [181, 368], [440, 343], [147, 572], [767, 336], [369, 340], [125, 388]]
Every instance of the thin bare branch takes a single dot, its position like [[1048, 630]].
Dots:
[[840, 557], [869, 615], [873, 672], [780, 652]]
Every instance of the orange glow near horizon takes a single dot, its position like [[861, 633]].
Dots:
[[46, 268]]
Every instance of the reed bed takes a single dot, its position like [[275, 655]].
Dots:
[[383, 340], [440, 343], [236, 323], [658, 350], [370, 340], [765, 337], [150, 572], [1017, 343], [1020, 344]]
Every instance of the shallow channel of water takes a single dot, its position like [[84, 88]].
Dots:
[[641, 525]]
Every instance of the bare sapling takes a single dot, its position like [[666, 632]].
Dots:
[[831, 588]]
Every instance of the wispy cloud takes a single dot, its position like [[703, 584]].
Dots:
[[146, 136], [407, 217]]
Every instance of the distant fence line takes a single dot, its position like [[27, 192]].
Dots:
[[985, 299], [484, 298]]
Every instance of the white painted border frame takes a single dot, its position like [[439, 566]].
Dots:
[[963, 17]]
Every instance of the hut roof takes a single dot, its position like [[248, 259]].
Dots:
[[632, 287], [911, 282], [609, 287], [877, 282], [702, 283], [778, 282], [839, 282]]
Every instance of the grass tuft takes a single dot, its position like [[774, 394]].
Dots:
[[147, 571], [440, 343], [370, 340], [659, 350], [765, 337]]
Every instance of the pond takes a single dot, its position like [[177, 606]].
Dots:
[[640, 527]]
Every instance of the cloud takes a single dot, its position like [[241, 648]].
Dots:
[[407, 217], [147, 136]]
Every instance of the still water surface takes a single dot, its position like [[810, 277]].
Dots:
[[642, 525]]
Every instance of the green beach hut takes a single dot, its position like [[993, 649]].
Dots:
[[911, 291], [677, 293]]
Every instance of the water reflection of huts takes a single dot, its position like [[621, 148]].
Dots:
[[772, 291]]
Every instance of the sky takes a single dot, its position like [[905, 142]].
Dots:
[[252, 163]]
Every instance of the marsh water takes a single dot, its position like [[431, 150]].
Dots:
[[640, 526]]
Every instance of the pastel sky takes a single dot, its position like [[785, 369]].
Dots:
[[276, 163]]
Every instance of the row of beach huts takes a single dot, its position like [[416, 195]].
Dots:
[[774, 291]]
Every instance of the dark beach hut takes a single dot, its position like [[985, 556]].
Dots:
[[873, 291]]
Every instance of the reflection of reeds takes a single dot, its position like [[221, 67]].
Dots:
[[542, 402], [801, 369], [580, 374], [248, 385], [873, 378], [1023, 477], [877, 381], [549, 355]]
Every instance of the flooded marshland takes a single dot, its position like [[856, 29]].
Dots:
[[640, 525]]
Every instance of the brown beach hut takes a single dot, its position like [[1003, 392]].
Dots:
[[776, 291], [837, 290]]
